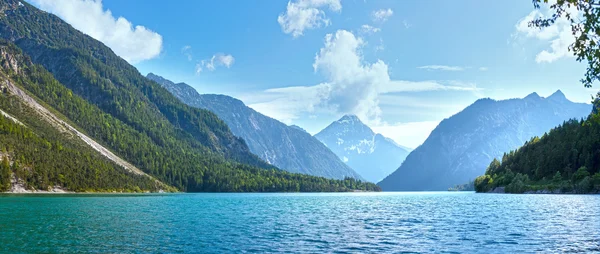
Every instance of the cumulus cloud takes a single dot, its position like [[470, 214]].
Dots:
[[351, 85], [132, 43], [559, 35], [215, 61], [367, 29], [354, 84], [306, 14], [382, 15]]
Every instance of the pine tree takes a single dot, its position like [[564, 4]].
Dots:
[[5, 174]]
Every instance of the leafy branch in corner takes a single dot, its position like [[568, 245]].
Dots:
[[584, 17]]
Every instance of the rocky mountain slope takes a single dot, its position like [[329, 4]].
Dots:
[[371, 155], [460, 148], [42, 152], [287, 147], [135, 118]]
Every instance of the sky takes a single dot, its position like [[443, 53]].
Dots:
[[400, 66]]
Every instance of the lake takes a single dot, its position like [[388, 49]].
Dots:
[[306, 223]]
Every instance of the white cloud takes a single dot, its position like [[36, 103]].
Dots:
[[306, 14], [397, 86], [198, 68], [406, 24], [215, 61], [351, 85], [443, 67], [185, 50], [483, 68], [133, 44], [367, 29], [354, 84], [559, 35], [382, 15], [411, 134]]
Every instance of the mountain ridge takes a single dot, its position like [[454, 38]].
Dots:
[[461, 146], [289, 148], [370, 154], [185, 147]]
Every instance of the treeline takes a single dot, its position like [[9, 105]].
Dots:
[[187, 167], [47, 158], [567, 159], [93, 72], [470, 186], [189, 148]]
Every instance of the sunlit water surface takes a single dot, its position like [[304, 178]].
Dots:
[[306, 223]]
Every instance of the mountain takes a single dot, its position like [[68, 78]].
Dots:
[[372, 155], [460, 147], [42, 152], [566, 159], [107, 99], [287, 147]]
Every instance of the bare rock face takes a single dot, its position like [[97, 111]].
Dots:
[[287, 147]]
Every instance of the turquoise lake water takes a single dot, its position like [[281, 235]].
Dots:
[[300, 223]]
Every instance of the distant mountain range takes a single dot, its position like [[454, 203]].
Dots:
[[461, 147], [288, 147], [372, 155], [77, 117]]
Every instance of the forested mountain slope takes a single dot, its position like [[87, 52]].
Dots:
[[460, 147], [41, 152], [567, 159], [137, 119], [286, 147]]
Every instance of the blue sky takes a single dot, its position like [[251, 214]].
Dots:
[[401, 66]]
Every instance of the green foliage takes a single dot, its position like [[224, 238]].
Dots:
[[483, 183], [47, 157], [5, 174], [557, 178], [108, 99], [470, 186], [580, 174], [586, 185], [517, 184], [573, 145], [585, 26], [596, 181], [493, 167]]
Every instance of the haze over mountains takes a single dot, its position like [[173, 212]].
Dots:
[[372, 155], [461, 147], [288, 147], [103, 100]]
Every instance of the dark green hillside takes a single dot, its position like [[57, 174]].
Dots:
[[45, 158], [92, 71], [567, 159], [189, 148]]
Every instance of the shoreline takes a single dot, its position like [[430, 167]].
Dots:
[[501, 190]]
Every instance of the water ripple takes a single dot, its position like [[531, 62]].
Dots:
[[301, 223]]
